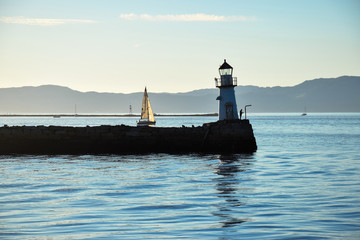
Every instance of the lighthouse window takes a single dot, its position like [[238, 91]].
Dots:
[[227, 71]]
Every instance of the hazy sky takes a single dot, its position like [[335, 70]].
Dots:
[[175, 46]]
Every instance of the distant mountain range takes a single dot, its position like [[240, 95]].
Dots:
[[340, 94]]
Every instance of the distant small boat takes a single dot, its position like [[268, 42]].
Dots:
[[304, 113], [56, 116], [147, 116]]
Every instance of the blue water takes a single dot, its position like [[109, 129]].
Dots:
[[302, 183]]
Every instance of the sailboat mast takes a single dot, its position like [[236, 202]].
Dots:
[[146, 104]]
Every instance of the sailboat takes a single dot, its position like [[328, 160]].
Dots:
[[304, 113], [147, 116]]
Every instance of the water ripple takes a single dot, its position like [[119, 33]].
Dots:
[[298, 185]]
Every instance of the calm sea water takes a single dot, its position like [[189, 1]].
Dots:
[[302, 183]]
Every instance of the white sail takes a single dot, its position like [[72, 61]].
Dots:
[[144, 107], [150, 112], [146, 111]]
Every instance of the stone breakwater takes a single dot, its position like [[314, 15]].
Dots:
[[234, 136]]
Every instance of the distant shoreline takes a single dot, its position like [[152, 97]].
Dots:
[[110, 115]]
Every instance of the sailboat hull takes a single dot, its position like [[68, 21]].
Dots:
[[145, 123]]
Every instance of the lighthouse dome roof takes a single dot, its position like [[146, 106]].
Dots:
[[225, 65]]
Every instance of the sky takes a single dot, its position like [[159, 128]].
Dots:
[[175, 46]]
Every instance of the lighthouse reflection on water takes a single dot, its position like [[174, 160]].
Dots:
[[231, 172]]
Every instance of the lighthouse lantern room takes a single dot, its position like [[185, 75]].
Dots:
[[226, 84]]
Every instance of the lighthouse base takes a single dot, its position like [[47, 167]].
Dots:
[[228, 136]]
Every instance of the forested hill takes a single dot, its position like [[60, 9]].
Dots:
[[340, 94]]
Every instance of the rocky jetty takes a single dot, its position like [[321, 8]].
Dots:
[[227, 136]]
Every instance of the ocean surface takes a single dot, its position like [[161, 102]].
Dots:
[[302, 183]]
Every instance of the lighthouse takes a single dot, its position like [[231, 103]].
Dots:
[[226, 84]]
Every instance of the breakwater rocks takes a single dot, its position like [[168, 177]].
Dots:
[[235, 136]]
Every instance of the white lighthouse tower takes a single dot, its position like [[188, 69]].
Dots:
[[226, 84]]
